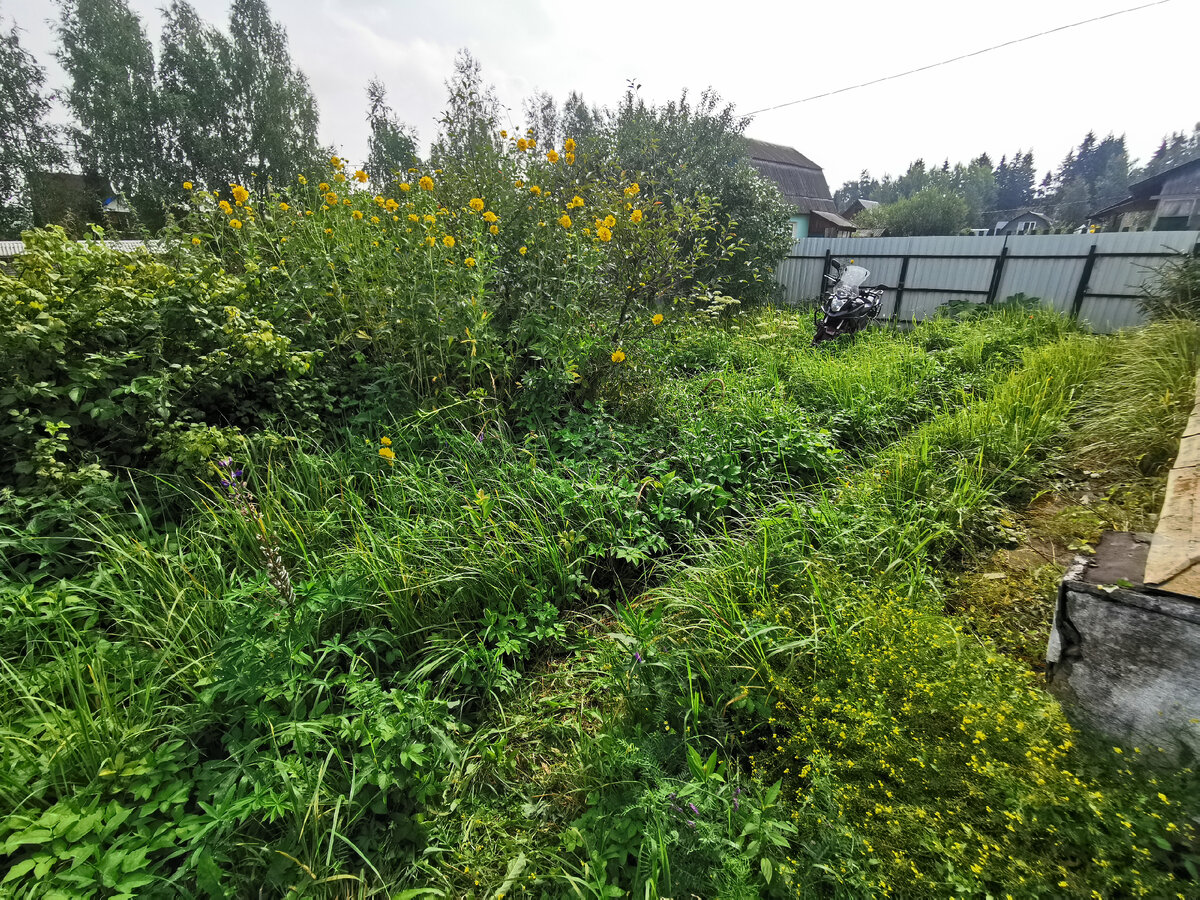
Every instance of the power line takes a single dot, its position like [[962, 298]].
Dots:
[[946, 62]]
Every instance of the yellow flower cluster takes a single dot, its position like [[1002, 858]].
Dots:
[[565, 221], [476, 203], [360, 176], [575, 201], [618, 356], [552, 155], [658, 319], [635, 216], [604, 234], [240, 194], [426, 183], [632, 190], [490, 217]]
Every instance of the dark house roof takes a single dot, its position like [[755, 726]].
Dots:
[[800, 180], [1143, 195], [858, 205]]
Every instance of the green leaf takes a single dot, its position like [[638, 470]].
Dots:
[[19, 870], [767, 869]]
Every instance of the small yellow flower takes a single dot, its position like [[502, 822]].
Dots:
[[448, 240], [522, 144], [339, 177], [494, 229], [374, 220], [426, 183], [535, 190], [635, 216], [431, 219], [225, 207], [323, 187], [490, 216], [390, 205], [302, 179], [430, 240], [523, 250], [196, 241], [308, 212], [476, 204], [360, 176], [632, 189], [329, 231], [405, 186], [388, 454], [604, 234], [386, 441], [413, 217], [503, 134], [552, 155], [569, 145], [469, 262], [356, 214], [331, 198], [565, 221], [532, 144], [235, 224], [335, 161], [610, 222], [570, 158], [658, 319], [240, 194], [187, 185], [284, 207], [576, 201], [618, 356]]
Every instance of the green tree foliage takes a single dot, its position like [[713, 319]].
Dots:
[[27, 142], [1176, 148], [391, 148], [193, 92], [929, 211], [1093, 175], [271, 110], [112, 93], [472, 111], [541, 114], [1016, 183]]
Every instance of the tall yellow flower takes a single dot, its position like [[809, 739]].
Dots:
[[323, 186], [494, 229], [430, 240], [331, 198], [356, 214], [476, 203], [391, 205], [335, 161], [552, 155], [610, 222], [426, 183], [635, 216], [235, 224], [448, 240], [469, 262], [576, 201], [360, 176], [405, 186], [490, 216], [565, 221], [302, 179], [522, 144], [413, 217], [196, 241], [339, 177], [632, 189], [225, 207], [283, 207], [569, 145], [389, 454], [187, 185], [604, 234], [658, 319], [618, 356], [522, 250], [386, 441], [535, 190], [240, 194], [570, 158]]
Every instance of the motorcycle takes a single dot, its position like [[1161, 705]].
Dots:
[[846, 307]]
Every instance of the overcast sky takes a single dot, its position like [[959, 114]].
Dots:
[[1134, 74]]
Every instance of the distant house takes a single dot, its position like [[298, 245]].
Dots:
[[857, 206], [802, 184], [76, 201], [1024, 222], [1169, 201]]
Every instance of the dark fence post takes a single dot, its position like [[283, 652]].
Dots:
[[824, 272], [900, 289], [1084, 277], [997, 271]]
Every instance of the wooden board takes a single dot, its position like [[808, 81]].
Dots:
[[1173, 563]]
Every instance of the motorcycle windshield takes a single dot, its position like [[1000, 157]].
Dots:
[[852, 277]]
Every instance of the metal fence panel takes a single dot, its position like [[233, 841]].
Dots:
[[944, 268]]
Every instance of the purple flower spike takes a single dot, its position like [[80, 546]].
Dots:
[[238, 473], [695, 809], [224, 483], [691, 825], [637, 656]]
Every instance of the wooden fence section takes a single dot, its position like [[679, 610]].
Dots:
[[1095, 277]]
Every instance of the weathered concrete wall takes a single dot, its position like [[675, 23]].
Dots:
[[1125, 661]]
